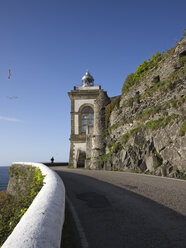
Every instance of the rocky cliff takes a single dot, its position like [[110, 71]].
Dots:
[[146, 125]]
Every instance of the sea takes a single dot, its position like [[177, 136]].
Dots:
[[4, 177]]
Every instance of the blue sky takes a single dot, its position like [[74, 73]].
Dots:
[[49, 44]]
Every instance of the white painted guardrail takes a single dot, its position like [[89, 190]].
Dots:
[[41, 225]]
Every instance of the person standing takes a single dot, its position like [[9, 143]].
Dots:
[[52, 160]]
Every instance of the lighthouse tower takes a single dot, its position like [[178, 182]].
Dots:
[[82, 119]]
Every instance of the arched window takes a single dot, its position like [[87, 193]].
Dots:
[[87, 118]]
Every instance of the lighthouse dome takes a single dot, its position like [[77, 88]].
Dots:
[[87, 79]]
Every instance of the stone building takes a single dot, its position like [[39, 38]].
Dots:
[[87, 122]]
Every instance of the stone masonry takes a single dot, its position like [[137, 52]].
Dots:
[[98, 140]]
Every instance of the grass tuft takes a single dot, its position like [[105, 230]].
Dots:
[[182, 130]]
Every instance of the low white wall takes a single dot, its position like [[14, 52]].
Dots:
[[41, 225]]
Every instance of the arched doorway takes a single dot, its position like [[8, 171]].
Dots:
[[81, 159]]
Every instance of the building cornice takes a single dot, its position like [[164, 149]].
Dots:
[[78, 138], [90, 94]]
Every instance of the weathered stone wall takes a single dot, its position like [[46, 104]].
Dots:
[[19, 178], [98, 139], [145, 131], [41, 225]]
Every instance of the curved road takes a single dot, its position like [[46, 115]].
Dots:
[[125, 210]]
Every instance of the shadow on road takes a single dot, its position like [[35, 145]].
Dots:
[[115, 217]]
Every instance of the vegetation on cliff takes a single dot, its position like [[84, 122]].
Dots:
[[148, 65], [145, 130], [152, 125], [141, 71], [13, 207]]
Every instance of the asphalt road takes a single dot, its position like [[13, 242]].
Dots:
[[119, 209]]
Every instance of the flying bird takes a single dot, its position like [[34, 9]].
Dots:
[[9, 74], [12, 97]]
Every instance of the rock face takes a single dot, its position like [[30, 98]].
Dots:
[[146, 133]]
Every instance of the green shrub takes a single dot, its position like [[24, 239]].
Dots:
[[114, 148], [129, 82], [131, 133], [133, 78], [70, 166], [110, 144], [117, 147], [12, 208], [184, 33], [182, 130], [147, 65], [125, 137], [104, 157], [171, 51], [114, 126]]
